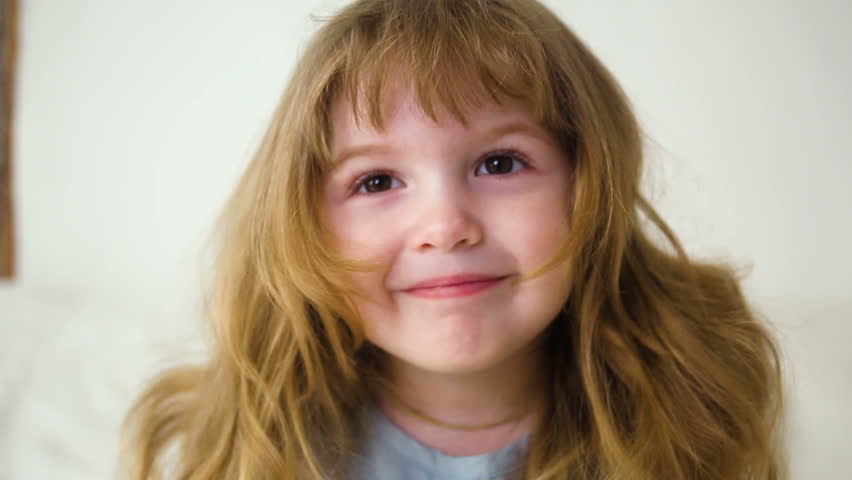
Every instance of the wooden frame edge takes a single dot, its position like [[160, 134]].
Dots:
[[7, 218]]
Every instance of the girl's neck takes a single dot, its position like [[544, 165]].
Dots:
[[512, 389]]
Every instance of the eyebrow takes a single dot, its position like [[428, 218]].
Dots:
[[491, 134], [361, 150]]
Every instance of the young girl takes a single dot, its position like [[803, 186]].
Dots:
[[439, 265]]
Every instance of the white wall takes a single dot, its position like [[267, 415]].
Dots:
[[134, 119]]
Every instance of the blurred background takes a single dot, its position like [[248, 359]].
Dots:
[[133, 120]]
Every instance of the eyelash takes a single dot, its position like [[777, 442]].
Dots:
[[513, 154]]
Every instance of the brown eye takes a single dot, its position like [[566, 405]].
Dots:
[[375, 184], [500, 164]]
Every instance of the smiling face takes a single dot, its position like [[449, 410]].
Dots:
[[469, 209]]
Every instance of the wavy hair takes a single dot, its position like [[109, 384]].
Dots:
[[659, 368]]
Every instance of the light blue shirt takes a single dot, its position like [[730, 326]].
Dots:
[[391, 454]]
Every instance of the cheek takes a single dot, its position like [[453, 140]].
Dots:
[[357, 239], [373, 294], [359, 236], [535, 231], [545, 232], [377, 247]]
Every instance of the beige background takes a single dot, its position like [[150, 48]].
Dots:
[[135, 118]]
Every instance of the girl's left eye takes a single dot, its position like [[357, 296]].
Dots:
[[500, 163]]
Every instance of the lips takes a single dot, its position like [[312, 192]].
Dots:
[[455, 286]]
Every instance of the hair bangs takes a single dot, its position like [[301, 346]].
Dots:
[[475, 53]]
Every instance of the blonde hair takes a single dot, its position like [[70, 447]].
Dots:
[[659, 367]]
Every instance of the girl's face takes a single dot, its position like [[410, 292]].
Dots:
[[453, 214]]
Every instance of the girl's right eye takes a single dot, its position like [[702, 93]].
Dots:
[[375, 183]]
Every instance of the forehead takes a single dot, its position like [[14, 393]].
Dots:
[[400, 106]]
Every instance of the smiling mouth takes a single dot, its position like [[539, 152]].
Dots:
[[461, 289]]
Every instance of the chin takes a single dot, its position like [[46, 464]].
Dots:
[[465, 363]]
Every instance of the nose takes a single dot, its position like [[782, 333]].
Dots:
[[447, 223]]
